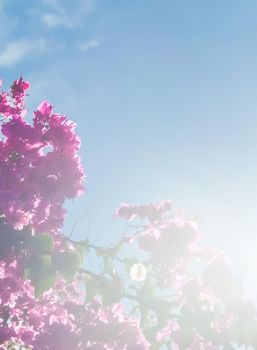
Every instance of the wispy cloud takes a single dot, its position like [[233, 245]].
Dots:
[[64, 14], [52, 20], [88, 45], [60, 14], [89, 5], [15, 51]]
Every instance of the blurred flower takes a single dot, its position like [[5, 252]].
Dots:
[[138, 272]]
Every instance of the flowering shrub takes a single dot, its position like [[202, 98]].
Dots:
[[191, 298], [41, 306], [157, 288], [34, 181]]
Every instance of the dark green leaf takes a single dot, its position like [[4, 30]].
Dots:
[[92, 288], [67, 263], [41, 273], [111, 291], [42, 244]]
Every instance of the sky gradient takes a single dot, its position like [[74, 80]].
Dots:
[[164, 95]]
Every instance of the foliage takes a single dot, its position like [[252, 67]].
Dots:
[[157, 288]]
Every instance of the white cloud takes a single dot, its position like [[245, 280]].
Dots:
[[90, 44], [58, 6], [15, 51], [52, 20], [54, 4], [88, 5], [66, 14]]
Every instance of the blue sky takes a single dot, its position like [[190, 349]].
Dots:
[[164, 95]]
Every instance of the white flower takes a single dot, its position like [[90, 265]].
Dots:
[[138, 272]]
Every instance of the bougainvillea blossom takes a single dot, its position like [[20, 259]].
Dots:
[[174, 293], [41, 304], [39, 167]]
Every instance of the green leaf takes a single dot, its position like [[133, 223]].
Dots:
[[130, 262], [42, 244], [162, 309], [92, 288], [26, 233], [111, 291], [186, 333], [44, 283], [67, 263], [39, 264], [80, 250], [83, 244], [113, 251], [41, 273], [146, 294]]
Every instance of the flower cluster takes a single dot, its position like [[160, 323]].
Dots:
[[175, 294], [39, 165], [205, 306], [41, 304], [60, 319]]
